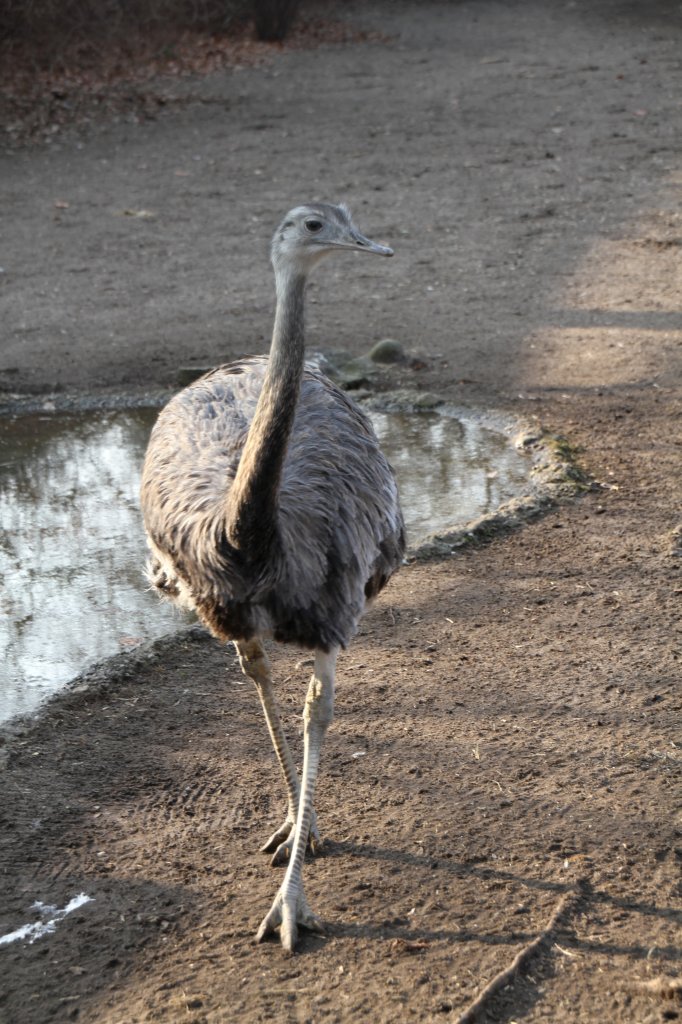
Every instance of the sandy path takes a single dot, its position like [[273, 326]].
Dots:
[[517, 705]]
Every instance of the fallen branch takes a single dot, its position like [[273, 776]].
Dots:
[[567, 901]]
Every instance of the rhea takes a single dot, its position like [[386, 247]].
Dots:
[[271, 511]]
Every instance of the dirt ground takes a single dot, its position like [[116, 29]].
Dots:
[[516, 707]]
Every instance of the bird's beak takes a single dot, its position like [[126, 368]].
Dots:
[[352, 239], [367, 245]]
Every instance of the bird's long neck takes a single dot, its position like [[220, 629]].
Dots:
[[251, 525]]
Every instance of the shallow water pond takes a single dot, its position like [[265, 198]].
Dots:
[[72, 547]]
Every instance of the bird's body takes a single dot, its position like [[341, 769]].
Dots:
[[271, 511], [339, 531]]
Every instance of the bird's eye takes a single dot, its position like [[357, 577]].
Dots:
[[313, 225]]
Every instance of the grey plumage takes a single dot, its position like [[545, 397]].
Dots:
[[271, 511], [340, 533]]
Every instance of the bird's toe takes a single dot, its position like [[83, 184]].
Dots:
[[308, 919], [288, 912], [278, 839], [315, 844], [288, 931], [271, 921], [281, 854], [281, 842]]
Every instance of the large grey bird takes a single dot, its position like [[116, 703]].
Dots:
[[271, 511]]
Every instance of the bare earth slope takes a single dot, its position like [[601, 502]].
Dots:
[[516, 707]]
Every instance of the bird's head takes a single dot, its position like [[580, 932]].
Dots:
[[310, 232]]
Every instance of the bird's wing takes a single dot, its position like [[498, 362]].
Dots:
[[191, 461], [338, 510]]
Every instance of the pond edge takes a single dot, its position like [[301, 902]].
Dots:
[[556, 473]]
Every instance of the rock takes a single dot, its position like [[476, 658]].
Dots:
[[387, 351], [426, 400], [356, 373]]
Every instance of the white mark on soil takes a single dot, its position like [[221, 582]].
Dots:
[[31, 932]]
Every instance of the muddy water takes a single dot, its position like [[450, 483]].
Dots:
[[72, 549]]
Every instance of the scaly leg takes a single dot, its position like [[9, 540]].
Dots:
[[256, 665], [290, 907]]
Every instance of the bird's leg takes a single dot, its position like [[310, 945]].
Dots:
[[290, 907], [256, 665]]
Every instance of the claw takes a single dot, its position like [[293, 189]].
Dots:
[[315, 844], [283, 851]]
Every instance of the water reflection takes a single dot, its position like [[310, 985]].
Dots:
[[449, 470], [71, 549], [72, 546]]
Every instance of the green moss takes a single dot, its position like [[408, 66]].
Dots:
[[567, 455]]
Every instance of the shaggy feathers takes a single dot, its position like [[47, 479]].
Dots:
[[340, 530]]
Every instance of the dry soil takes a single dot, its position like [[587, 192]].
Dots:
[[508, 720]]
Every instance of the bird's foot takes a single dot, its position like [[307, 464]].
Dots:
[[288, 911], [281, 842]]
